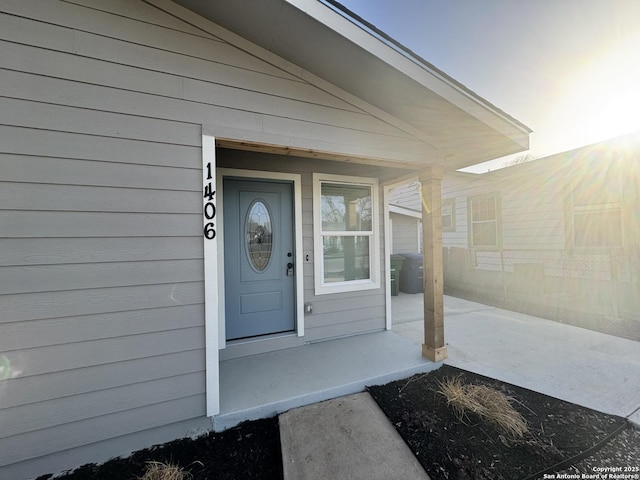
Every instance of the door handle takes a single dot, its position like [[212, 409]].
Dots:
[[289, 269]]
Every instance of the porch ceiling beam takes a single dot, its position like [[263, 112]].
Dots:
[[312, 153], [433, 347]]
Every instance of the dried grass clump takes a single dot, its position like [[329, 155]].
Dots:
[[490, 404], [164, 471]]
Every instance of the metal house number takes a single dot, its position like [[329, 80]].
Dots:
[[209, 207]]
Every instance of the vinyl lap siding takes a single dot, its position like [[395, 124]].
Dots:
[[101, 266], [532, 216], [459, 188], [101, 294], [407, 196], [405, 234], [342, 314], [111, 63], [101, 299]]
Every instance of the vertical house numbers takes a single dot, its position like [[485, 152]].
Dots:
[[209, 206]]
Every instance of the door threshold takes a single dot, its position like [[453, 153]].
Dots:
[[255, 345]]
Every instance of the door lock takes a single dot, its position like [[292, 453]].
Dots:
[[289, 269]]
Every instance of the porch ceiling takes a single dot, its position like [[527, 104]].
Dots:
[[465, 128]]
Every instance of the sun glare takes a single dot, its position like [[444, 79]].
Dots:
[[601, 99]]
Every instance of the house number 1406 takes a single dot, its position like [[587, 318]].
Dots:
[[209, 207]]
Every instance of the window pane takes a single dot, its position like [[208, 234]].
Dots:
[[484, 234], [447, 214], [258, 235], [345, 258], [598, 229], [483, 209], [484, 221], [346, 207]]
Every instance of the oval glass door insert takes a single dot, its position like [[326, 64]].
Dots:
[[259, 235]]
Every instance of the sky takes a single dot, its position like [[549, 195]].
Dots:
[[568, 69]]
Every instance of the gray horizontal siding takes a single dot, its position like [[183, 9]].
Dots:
[[69, 383], [145, 13], [33, 196], [264, 89], [46, 144], [83, 224], [113, 447], [405, 234], [46, 116], [26, 168], [29, 445], [62, 330], [60, 357], [46, 278], [267, 94], [101, 299], [343, 329], [27, 418], [35, 306], [407, 196], [51, 251]]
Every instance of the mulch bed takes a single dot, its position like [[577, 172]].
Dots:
[[249, 451], [446, 447], [449, 448]]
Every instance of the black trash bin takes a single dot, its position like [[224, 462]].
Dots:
[[411, 275], [396, 267]]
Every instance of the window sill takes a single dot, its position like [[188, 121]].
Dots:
[[346, 287]]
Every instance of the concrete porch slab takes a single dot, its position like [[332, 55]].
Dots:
[[268, 384]]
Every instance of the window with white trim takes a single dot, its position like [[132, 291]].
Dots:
[[484, 221], [449, 215], [347, 255]]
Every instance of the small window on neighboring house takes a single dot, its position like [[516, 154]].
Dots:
[[596, 217], [484, 221], [449, 215], [346, 234]]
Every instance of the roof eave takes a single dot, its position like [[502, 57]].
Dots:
[[332, 46]]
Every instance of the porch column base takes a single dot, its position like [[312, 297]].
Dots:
[[434, 354]]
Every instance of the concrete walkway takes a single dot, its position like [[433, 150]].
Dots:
[[350, 438], [581, 366], [347, 438]]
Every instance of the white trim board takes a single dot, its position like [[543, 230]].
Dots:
[[211, 315]]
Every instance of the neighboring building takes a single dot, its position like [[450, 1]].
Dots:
[[177, 181], [561, 233], [406, 228]]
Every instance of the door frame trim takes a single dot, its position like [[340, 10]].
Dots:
[[297, 230]]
